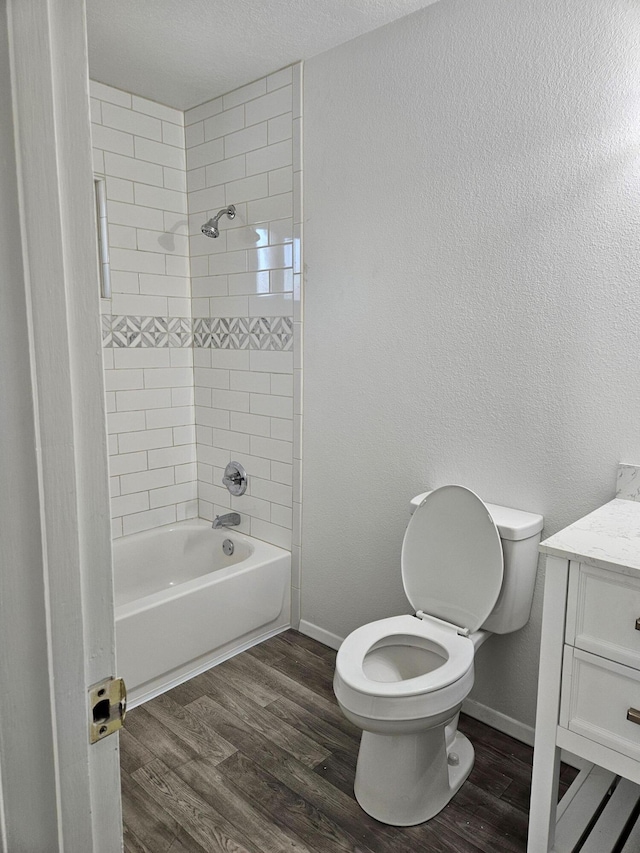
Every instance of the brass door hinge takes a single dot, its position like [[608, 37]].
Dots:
[[107, 708]]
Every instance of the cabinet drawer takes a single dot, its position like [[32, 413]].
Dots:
[[597, 694], [602, 613]]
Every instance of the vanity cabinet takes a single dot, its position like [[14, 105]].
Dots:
[[589, 686]]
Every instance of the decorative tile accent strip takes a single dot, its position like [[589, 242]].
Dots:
[[256, 333], [628, 485], [263, 333], [127, 331]]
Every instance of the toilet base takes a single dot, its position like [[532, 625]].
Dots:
[[403, 780]]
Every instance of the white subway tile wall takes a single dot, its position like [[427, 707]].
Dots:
[[140, 151], [240, 152], [203, 336]]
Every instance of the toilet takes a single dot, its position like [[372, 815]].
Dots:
[[468, 570]]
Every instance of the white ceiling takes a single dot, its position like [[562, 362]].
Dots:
[[185, 52]]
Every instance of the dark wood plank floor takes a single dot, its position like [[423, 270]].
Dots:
[[254, 756]]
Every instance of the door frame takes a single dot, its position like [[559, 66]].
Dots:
[[56, 620]]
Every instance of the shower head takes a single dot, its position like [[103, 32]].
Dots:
[[210, 228]]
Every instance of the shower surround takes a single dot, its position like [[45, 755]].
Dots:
[[202, 336], [148, 357]]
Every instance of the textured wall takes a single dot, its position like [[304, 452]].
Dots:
[[472, 214]]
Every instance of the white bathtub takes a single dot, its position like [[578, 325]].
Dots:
[[183, 606]]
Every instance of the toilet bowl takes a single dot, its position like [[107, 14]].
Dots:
[[403, 679]]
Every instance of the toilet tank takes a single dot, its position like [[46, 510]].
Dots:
[[520, 535]]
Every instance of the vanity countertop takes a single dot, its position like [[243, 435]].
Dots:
[[609, 537]]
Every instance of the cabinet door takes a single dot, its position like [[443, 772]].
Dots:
[[603, 612]]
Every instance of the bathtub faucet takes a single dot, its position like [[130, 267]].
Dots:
[[231, 519]]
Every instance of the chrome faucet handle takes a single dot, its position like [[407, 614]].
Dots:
[[235, 479]]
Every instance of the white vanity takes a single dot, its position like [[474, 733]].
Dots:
[[589, 686]]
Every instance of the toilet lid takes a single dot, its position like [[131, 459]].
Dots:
[[452, 561]]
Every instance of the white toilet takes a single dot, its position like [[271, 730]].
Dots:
[[466, 565]]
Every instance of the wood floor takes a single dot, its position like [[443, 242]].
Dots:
[[254, 756]]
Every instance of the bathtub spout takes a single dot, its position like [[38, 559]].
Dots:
[[231, 519]]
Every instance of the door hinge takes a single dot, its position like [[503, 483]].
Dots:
[[107, 708]]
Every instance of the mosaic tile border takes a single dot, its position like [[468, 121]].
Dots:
[[262, 333], [254, 333], [134, 332]]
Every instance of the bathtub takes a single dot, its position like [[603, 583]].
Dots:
[[182, 605]]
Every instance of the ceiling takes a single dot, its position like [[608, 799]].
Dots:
[[185, 52]]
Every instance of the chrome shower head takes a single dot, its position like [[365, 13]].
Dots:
[[210, 228]]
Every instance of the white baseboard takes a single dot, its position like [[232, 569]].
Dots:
[[497, 720], [319, 634]]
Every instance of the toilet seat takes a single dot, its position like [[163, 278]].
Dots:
[[452, 571], [452, 561], [353, 651]]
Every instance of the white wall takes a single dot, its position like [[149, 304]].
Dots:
[[139, 148], [239, 151], [472, 240], [243, 149]]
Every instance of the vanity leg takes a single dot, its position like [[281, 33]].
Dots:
[[544, 799], [546, 756]]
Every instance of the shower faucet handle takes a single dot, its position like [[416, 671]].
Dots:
[[235, 479]]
